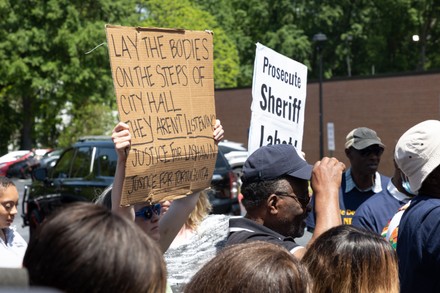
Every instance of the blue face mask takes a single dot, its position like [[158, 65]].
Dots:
[[406, 185]]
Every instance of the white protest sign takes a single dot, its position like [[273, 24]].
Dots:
[[278, 100]]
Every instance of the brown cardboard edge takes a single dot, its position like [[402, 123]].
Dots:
[[156, 29]]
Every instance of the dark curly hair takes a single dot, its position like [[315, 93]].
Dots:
[[255, 193], [5, 182]]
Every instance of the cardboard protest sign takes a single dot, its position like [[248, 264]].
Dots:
[[278, 100], [164, 84]]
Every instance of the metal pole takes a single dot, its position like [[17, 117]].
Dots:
[[320, 37], [321, 109]]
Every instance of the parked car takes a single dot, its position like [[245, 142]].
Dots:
[[235, 153], [85, 169], [40, 153], [7, 160], [225, 186], [50, 158], [24, 166]]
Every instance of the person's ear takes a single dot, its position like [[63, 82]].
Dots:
[[271, 204]]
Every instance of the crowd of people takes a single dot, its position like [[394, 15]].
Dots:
[[371, 233]]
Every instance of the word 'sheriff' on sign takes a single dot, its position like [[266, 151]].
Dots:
[[278, 100], [164, 84]]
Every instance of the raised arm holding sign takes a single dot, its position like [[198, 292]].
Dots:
[[164, 84], [162, 229]]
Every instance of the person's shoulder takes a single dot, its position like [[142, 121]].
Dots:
[[240, 222], [425, 203], [214, 224], [421, 221], [423, 210], [214, 218], [15, 238], [379, 198]]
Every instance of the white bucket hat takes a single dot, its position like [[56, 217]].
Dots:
[[417, 152]]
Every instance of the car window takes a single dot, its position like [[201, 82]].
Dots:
[[81, 162], [105, 162], [62, 168]]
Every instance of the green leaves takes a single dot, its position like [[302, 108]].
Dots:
[[186, 15], [45, 68]]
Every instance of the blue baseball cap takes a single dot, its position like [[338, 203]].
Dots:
[[273, 161]]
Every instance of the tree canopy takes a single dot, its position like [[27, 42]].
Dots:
[[184, 14], [52, 66], [43, 52]]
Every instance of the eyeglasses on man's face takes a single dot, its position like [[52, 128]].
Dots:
[[302, 199], [147, 212]]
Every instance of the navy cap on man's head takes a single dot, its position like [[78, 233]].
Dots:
[[274, 161]]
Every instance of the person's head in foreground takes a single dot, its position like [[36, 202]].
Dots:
[[251, 267], [275, 189], [87, 248], [346, 259], [417, 154]]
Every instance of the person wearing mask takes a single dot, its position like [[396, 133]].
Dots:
[[376, 212], [417, 154]]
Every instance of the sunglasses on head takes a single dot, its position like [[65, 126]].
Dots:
[[377, 150], [147, 212]]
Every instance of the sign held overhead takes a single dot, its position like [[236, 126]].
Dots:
[[164, 84], [278, 100]]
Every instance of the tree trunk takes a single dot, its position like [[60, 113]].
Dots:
[[26, 134]]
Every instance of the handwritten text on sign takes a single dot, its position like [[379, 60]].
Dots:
[[278, 100], [164, 87]]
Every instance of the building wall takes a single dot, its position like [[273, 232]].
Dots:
[[389, 105]]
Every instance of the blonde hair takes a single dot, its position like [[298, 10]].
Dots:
[[347, 259], [202, 209]]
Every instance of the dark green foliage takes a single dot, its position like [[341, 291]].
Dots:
[[44, 62], [45, 68]]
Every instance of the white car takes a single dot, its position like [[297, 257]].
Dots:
[[13, 155]]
